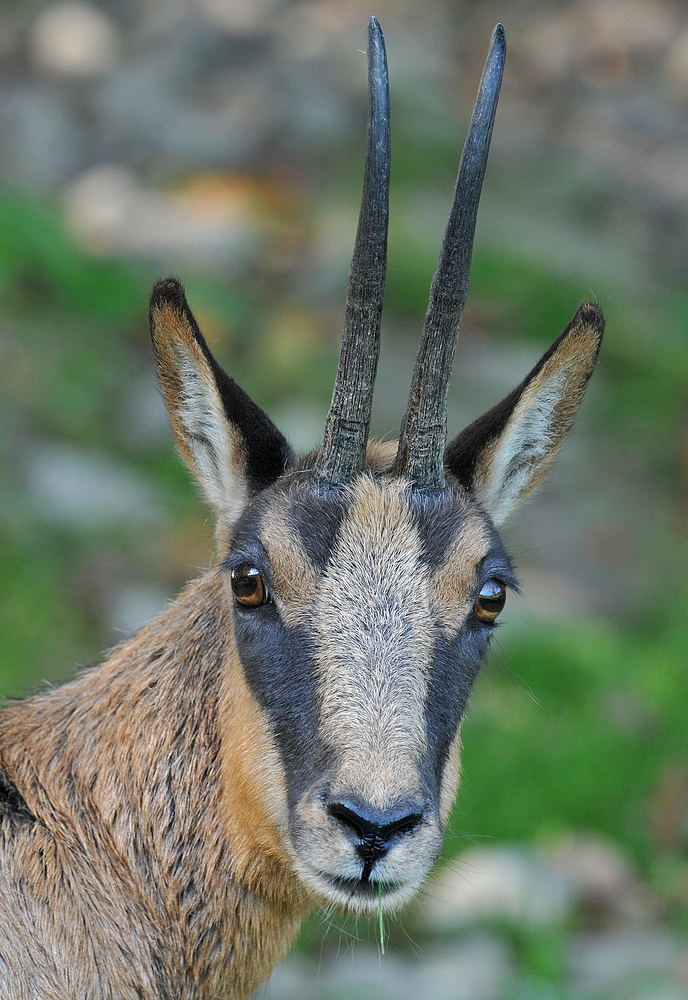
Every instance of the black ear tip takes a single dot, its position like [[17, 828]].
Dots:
[[589, 314], [168, 291]]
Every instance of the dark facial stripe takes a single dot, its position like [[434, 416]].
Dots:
[[315, 515], [317, 518], [276, 657], [438, 518], [279, 672], [455, 666]]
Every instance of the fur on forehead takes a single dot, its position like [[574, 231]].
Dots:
[[298, 526], [293, 573]]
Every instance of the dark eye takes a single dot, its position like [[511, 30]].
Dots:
[[490, 601], [248, 587]]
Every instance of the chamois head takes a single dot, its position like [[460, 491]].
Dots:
[[364, 582]]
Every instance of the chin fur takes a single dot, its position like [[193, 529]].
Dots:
[[353, 895]]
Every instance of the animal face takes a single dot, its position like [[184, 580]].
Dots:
[[364, 581], [362, 652]]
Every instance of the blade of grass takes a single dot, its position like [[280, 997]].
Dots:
[[382, 926]]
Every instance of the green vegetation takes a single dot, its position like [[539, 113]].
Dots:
[[591, 752]]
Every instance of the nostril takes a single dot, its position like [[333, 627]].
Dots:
[[375, 825], [374, 830], [407, 824], [351, 820]]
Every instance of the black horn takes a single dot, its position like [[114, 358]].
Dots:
[[424, 427], [348, 420]]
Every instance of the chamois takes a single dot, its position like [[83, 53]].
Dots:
[[286, 734]]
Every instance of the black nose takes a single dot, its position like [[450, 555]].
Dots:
[[374, 829]]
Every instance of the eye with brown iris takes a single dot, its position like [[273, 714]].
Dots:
[[248, 587], [490, 601]]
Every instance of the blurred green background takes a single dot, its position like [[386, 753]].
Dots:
[[223, 141]]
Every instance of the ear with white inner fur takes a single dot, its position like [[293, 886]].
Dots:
[[228, 442], [503, 455]]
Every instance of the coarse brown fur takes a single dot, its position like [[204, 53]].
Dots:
[[140, 872]]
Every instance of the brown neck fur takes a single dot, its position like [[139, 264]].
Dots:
[[144, 776]]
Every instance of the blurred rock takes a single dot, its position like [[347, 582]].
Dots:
[[602, 36], [301, 423], [497, 884], [141, 417], [602, 880], [676, 64], [475, 968], [625, 26], [73, 40], [241, 17], [131, 607], [84, 489], [535, 887], [43, 140], [111, 588], [150, 116], [110, 211], [626, 956], [548, 594]]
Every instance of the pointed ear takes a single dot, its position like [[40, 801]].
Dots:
[[503, 455], [228, 442]]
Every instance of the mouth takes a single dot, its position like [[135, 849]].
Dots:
[[364, 888], [363, 896]]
